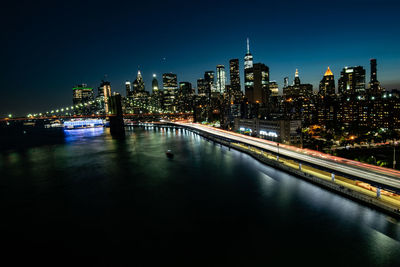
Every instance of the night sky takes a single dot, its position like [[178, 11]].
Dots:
[[48, 47]]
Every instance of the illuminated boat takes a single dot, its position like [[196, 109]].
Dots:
[[79, 124]]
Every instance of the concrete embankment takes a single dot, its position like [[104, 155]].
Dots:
[[367, 198]]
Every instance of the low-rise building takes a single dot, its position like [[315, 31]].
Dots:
[[283, 131]]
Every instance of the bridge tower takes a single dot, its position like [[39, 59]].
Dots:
[[116, 117]]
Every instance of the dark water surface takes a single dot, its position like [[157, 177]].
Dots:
[[96, 201]]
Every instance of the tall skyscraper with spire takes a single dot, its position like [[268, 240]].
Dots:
[[256, 80], [248, 73], [248, 58], [327, 106], [138, 84], [296, 78], [327, 84]]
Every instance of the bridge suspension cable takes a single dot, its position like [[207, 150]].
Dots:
[[70, 110]]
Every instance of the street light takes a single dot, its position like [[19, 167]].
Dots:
[[394, 155], [277, 145], [374, 159]]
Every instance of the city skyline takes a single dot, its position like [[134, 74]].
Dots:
[[121, 87], [35, 68], [200, 133]]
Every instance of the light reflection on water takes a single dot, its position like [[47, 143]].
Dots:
[[78, 134], [208, 197]]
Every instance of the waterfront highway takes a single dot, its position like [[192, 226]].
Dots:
[[378, 175]]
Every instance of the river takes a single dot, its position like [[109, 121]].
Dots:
[[97, 201]]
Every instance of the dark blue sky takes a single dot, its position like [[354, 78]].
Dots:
[[48, 47]]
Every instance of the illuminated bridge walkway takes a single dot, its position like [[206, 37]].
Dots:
[[128, 116], [380, 186], [147, 111]]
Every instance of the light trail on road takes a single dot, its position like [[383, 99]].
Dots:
[[364, 171]]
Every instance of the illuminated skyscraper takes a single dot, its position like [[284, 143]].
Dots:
[[185, 97], [209, 82], [128, 88], [140, 96], [373, 70], [374, 85], [157, 94], [201, 87], [261, 83], [296, 78], [352, 81], [258, 90], [285, 82], [105, 88], [170, 85], [327, 84], [170, 81], [248, 80], [273, 87], [248, 58], [298, 102], [351, 87], [234, 74], [185, 88], [138, 84], [248, 73], [221, 79], [154, 84], [81, 95], [327, 104]]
